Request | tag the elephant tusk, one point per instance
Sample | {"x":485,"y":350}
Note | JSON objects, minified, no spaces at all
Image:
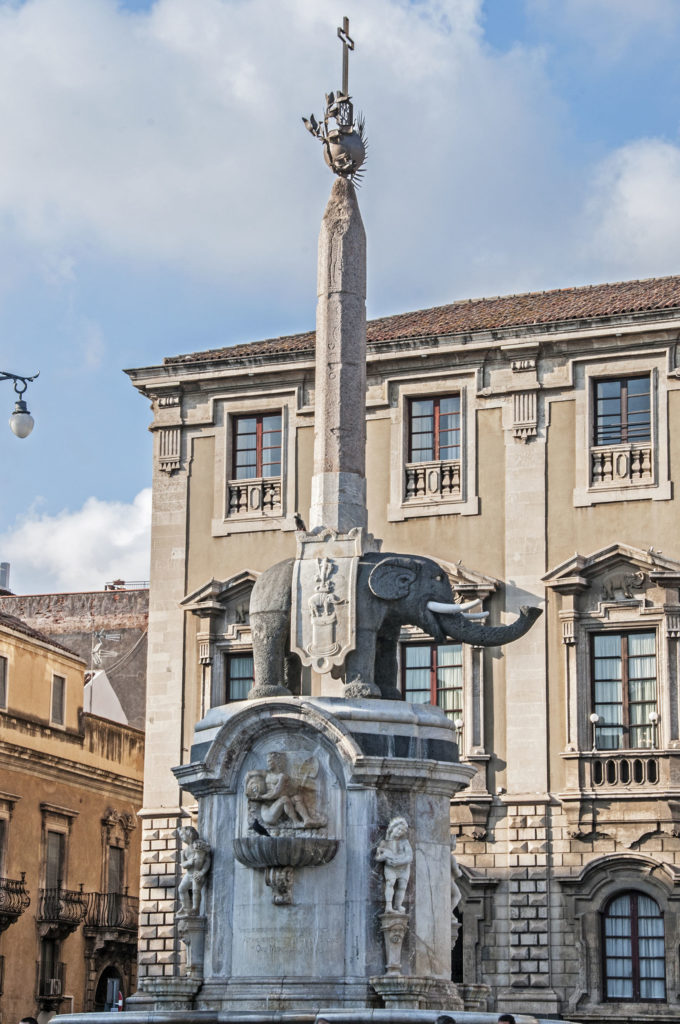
{"x":476,"y":616}
{"x":451,"y":609}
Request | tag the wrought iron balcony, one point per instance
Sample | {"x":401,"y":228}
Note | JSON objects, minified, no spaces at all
{"x":14,"y":899}
{"x":620,"y":465}
{"x":110,"y":911}
{"x":427,"y":480}
{"x":255,"y":497}
{"x":60,"y":911}
{"x":50,"y":983}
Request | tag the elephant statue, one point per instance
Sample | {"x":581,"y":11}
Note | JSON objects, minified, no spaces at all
{"x":393,"y":590}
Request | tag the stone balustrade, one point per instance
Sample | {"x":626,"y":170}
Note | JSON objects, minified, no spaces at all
{"x":619,"y":768}
{"x":259,"y":496}
{"x":433,"y":480}
{"x":621,"y":464}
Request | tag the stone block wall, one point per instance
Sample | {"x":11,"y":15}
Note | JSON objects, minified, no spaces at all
{"x":159,"y":948}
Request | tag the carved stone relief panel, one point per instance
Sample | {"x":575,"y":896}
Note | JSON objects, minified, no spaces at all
{"x":290,"y":809}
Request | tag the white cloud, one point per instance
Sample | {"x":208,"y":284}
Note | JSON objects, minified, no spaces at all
{"x":633,"y":215}
{"x":81,"y":549}
{"x":175,"y":135}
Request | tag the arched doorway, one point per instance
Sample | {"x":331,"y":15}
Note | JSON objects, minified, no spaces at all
{"x":110,"y":984}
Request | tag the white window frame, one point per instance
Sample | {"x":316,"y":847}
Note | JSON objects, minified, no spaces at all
{"x":615,"y":367}
{"x":471,"y":739}
{"x":225,"y":411}
{"x":427,"y":386}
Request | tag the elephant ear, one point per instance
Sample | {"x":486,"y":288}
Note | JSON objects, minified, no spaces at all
{"x":392,"y":578}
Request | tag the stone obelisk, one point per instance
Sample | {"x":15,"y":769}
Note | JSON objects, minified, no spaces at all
{"x":324,"y":629}
{"x":339,"y":481}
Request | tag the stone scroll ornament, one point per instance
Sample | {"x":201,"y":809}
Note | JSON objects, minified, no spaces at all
{"x":344,"y":143}
{"x":395,"y":853}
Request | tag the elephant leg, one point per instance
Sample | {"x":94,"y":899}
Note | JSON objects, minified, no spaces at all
{"x":386,"y":665}
{"x":293,"y":673}
{"x":359,"y":667}
{"x":270,"y":634}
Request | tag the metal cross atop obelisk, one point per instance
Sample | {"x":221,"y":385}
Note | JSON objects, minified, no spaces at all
{"x":347,"y":45}
{"x":324,"y":627}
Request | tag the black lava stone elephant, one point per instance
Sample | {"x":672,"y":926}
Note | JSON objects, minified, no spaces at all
{"x":393,"y":590}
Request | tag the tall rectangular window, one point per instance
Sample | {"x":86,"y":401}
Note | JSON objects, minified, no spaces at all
{"x":3,"y":845}
{"x":257,"y":446}
{"x":116,"y":869}
{"x":622,"y":410}
{"x":3,"y":682}
{"x":58,"y":694}
{"x":433,"y":674}
{"x":434,"y":429}
{"x":624,"y":689}
{"x":238,"y":678}
{"x":54,"y":859}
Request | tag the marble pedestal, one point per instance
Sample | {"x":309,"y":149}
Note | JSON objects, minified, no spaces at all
{"x":295,"y":910}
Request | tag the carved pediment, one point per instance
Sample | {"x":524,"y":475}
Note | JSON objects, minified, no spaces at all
{"x":617,"y":574}
{"x":467,"y":583}
{"x":227,"y":600}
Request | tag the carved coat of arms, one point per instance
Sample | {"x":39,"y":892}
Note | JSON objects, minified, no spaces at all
{"x":324,"y":599}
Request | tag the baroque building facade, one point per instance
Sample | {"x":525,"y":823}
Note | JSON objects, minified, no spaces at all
{"x":530,"y":439}
{"x":70,"y":786}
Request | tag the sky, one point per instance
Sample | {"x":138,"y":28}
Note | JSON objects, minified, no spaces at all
{"x":159,"y":195}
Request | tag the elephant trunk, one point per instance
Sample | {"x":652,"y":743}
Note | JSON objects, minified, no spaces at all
{"x":459,"y":627}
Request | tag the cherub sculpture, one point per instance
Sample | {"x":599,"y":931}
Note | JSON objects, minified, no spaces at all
{"x":396,"y":853}
{"x":195,"y":862}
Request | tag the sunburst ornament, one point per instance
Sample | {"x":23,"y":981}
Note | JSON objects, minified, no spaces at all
{"x":344,"y":143}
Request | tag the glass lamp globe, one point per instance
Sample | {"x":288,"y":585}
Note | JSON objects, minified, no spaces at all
{"x":21,"y":422}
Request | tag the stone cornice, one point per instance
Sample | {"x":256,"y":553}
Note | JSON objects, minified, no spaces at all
{"x":60,"y":769}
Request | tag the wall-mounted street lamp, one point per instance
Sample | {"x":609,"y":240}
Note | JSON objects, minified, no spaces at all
{"x":21,"y":421}
{"x":654,"y":719}
{"x":594,"y":719}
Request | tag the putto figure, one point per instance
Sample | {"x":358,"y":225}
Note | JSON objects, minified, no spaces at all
{"x":195,"y":863}
{"x":283,"y":796}
{"x":344,"y":144}
{"x":396,"y":854}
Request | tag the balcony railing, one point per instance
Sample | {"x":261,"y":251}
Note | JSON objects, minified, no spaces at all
{"x":439,"y":480}
{"x":254,"y":497}
{"x":624,"y":770}
{"x":62,"y":908}
{"x":621,"y":464}
{"x":14,"y":899}
{"x":111,"y":910}
{"x":50,"y":981}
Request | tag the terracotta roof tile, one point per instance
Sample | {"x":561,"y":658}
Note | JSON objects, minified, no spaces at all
{"x":19,"y":626}
{"x":465,"y":317}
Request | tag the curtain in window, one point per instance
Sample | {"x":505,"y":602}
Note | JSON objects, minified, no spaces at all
{"x":417,"y":669}
{"x":652,"y":949}
{"x":619,"y":949}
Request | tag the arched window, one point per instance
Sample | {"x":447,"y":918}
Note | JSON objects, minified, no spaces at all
{"x":634,"y":949}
